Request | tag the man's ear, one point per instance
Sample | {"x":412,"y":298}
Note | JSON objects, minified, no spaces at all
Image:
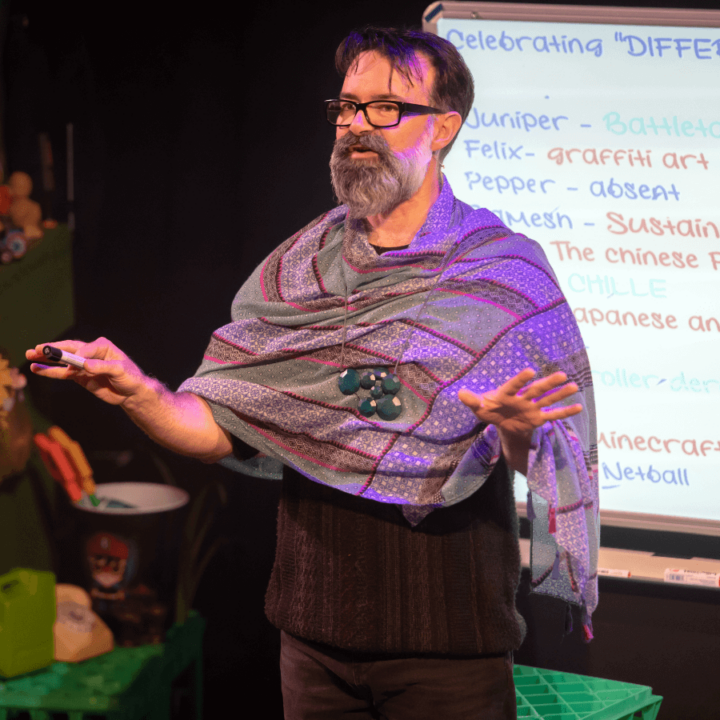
{"x":447,"y":126}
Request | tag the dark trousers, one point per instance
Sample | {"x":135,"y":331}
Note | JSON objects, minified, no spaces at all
{"x":316,"y":686}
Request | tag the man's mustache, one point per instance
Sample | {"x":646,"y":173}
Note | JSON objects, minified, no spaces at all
{"x":376,"y":143}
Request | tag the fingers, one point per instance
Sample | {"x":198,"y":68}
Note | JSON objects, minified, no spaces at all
{"x":72,"y":346}
{"x":543,"y":385}
{"x":113,"y":368}
{"x":102,"y":358}
{"x":555,"y":396}
{"x":563,"y":412}
{"x":101,"y":348}
{"x":473,"y":401}
{"x":514,"y":385}
{"x":543,"y":388}
{"x":518,"y":385}
{"x":531,"y":405}
{"x":50,"y":371}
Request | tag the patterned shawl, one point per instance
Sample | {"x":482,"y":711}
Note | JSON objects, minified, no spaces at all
{"x":467,"y":305}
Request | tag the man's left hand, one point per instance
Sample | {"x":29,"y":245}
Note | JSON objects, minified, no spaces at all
{"x":517,"y":408}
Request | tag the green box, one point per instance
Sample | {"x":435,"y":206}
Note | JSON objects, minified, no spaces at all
{"x":27,"y":616}
{"x":36,"y":295}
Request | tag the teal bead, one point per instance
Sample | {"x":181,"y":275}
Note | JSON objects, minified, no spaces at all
{"x":391,"y":384}
{"x":349,"y":381}
{"x":377,"y":392}
{"x":380,"y":372}
{"x":389,"y":408}
{"x":367,"y":380}
{"x":367,"y":407}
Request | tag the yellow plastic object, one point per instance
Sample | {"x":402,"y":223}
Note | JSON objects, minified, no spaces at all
{"x":77,"y":457}
{"x":79,"y":633}
{"x":27,"y":615}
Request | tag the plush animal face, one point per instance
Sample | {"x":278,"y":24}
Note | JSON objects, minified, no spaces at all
{"x":20,"y":185}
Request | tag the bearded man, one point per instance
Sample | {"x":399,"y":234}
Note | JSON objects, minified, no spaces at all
{"x":385,"y":355}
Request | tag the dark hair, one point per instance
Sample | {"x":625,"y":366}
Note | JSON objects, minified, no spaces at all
{"x":453,"y":88}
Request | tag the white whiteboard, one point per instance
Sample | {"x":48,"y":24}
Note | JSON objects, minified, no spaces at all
{"x":602,"y":142}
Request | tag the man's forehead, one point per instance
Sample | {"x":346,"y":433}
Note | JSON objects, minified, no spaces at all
{"x":374,"y":72}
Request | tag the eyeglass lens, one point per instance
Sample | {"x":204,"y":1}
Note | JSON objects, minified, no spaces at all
{"x":380,"y":113}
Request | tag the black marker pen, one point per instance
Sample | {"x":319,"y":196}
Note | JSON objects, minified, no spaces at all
{"x":57,"y":355}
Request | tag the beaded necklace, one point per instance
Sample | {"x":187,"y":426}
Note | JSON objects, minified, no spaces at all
{"x":384,"y":386}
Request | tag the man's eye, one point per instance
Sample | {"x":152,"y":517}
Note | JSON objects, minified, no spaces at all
{"x":385,"y":107}
{"x":346,"y":107}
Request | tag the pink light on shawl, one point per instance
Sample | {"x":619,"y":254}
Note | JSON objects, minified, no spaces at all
{"x":302,"y":455}
{"x":482,"y":300}
{"x":218,"y":361}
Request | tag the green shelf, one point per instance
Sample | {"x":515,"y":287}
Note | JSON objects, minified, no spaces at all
{"x":37,"y":295}
{"x":553,"y":695}
{"x":125,"y":684}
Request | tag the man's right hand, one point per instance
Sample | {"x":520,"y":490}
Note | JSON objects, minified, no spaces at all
{"x":109,"y":374}
{"x":181,"y":422}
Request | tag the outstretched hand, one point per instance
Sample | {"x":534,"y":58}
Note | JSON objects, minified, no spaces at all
{"x":518,"y":408}
{"x":179,"y":421}
{"x":108,"y":373}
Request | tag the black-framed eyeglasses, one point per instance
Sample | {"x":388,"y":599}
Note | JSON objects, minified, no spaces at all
{"x":378,"y":113}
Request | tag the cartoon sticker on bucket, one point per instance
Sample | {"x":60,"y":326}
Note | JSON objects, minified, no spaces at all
{"x":112,"y":563}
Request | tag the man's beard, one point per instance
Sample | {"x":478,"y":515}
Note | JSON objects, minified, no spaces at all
{"x":378,"y":186}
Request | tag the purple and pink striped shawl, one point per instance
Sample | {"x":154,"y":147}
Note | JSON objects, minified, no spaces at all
{"x":271,"y":375}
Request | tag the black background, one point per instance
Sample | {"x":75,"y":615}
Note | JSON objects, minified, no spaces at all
{"x":200,"y":144}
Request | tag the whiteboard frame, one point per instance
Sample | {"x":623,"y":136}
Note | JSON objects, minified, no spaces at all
{"x":567,"y":13}
{"x":607,"y":16}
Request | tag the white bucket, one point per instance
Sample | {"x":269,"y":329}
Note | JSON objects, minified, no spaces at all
{"x":131,"y":556}
{"x":145,"y":497}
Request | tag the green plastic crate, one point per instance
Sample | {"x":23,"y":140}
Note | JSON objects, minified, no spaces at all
{"x":553,"y":695}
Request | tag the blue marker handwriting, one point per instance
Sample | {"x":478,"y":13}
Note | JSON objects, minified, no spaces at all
{"x":498,"y":151}
{"x":551,"y":220}
{"x":613,"y":189}
{"x":524,"y":43}
{"x":520,"y":121}
{"x":661,"y":47}
{"x":620,"y":379}
{"x":610,"y":286}
{"x":501,"y":183}
{"x":616,"y":472}
{"x":676,"y":127}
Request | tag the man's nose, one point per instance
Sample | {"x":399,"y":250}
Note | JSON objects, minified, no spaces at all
{"x":360,"y":124}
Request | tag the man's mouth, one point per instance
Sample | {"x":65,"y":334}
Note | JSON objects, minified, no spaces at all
{"x":360,"y":151}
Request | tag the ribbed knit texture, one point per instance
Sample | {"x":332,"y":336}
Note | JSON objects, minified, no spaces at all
{"x":352,"y":573}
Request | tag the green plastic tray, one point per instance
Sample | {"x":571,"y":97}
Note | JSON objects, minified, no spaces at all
{"x":553,"y":695}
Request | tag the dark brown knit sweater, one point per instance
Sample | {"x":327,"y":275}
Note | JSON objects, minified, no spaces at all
{"x":352,"y":574}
